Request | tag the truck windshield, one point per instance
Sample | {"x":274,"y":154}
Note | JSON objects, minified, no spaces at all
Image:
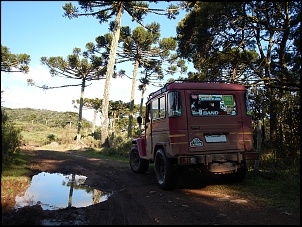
{"x":211,"y":105}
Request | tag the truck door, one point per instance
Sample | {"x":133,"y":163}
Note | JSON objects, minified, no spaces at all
{"x":214,"y":121}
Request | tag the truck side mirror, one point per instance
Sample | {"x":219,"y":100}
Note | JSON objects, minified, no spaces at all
{"x":139,"y":119}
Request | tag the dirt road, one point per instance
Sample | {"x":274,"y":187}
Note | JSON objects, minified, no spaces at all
{"x":137,"y":200}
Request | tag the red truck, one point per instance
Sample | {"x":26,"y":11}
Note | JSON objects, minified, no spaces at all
{"x":200,"y":126}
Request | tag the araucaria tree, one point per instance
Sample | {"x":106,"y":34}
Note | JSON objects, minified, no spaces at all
{"x":136,"y":48}
{"x":255,"y":43}
{"x":94,"y":104}
{"x":79,"y":66}
{"x":103,"y":11}
{"x":144,"y":49}
{"x":14,"y":62}
{"x":142,"y":46}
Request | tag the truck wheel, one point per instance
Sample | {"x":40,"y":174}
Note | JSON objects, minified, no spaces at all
{"x":137,"y":164}
{"x":238,"y":176}
{"x":165,"y":174}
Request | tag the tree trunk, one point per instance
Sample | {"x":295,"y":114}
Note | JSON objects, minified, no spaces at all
{"x":142,"y":102}
{"x":273,"y":119}
{"x":80,"y":111}
{"x":109,"y":73}
{"x":141,"y":108}
{"x":132,"y":99}
{"x":259,"y":141}
{"x":94,"y":120}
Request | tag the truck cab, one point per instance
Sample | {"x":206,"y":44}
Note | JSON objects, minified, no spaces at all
{"x":200,"y":126}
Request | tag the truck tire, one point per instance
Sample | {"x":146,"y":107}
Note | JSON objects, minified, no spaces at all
{"x":237,"y":176}
{"x":137,"y":164}
{"x":164,"y":171}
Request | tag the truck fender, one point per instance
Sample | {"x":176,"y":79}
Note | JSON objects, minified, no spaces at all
{"x":141,"y":146}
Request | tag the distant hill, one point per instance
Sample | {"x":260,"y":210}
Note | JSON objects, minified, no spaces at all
{"x":45,"y":117}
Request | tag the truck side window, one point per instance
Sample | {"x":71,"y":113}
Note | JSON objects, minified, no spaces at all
{"x":174,"y":105}
{"x":162,"y":107}
{"x":148,"y":113}
{"x":154,"y":109}
{"x":159,"y":108}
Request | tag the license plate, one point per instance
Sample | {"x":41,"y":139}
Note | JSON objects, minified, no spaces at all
{"x":215,"y":138}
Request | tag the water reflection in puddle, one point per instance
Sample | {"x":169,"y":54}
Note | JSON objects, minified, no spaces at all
{"x":54,"y":191}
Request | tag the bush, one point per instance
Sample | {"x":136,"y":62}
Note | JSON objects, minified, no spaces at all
{"x":51,"y":138}
{"x":119,"y":146}
{"x":91,"y":142}
{"x":11,"y":138}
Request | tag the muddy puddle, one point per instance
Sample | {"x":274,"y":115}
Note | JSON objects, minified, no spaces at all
{"x":55,"y":191}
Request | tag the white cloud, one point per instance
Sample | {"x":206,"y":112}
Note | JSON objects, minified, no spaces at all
{"x":17,"y":94}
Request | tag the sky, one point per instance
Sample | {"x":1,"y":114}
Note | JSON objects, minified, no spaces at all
{"x":38,"y":28}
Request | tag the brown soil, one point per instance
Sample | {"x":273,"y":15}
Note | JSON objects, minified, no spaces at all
{"x":137,"y":200}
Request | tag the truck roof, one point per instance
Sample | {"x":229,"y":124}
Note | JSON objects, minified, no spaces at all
{"x":189,"y":84}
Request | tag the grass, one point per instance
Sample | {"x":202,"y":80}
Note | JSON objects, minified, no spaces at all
{"x":279,"y":191}
{"x":15,"y":173}
{"x":17,"y":168}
